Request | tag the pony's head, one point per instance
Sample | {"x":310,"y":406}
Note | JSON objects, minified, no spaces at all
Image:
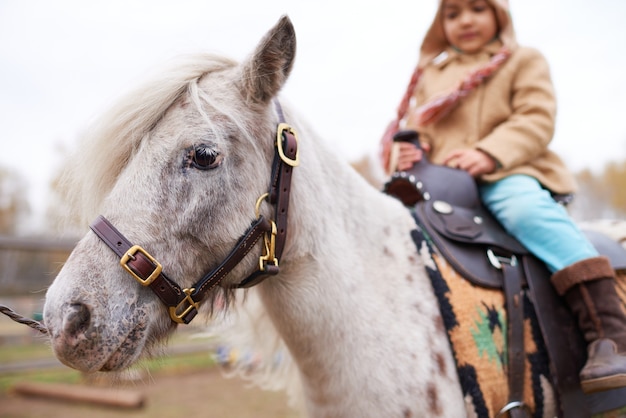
{"x":177,"y":167}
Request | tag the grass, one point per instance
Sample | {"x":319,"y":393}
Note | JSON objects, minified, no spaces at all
{"x":60,"y":375}
{"x":37,"y":349}
{"x":178,"y":363}
{"x":23,"y":352}
{"x":163,"y":365}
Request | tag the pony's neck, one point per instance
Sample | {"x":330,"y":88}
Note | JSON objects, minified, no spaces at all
{"x":354,"y":313}
{"x":353,"y":302}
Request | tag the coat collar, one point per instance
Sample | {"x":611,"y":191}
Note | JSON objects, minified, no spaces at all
{"x":451,"y":54}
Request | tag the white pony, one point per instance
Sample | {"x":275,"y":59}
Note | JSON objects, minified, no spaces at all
{"x":177,"y":168}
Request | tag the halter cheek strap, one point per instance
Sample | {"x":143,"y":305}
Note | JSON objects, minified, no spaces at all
{"x":183,"y":304}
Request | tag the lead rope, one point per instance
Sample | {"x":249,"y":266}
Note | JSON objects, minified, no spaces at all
{"x":23,"y":320}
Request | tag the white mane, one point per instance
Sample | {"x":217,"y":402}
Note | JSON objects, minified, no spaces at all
{"x":113,"y":139}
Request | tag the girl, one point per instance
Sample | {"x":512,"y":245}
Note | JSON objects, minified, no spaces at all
{"x":485,"y":105}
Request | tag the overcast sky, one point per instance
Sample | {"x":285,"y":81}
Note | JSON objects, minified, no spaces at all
{"x":62,"y":62}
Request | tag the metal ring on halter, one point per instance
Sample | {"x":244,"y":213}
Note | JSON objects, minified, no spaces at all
{"x":510,"y":406}
{"x":257,"y":206}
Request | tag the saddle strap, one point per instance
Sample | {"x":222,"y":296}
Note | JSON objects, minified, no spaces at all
{"x":513,"y":272}
{"x":562,"y":338}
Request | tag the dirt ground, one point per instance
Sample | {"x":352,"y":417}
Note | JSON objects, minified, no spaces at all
{"x":168,"y":393}
{"x":198,"y":394}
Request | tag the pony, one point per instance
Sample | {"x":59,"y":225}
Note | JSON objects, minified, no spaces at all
{"x":208,"y":169}
{"x":181,"y":167}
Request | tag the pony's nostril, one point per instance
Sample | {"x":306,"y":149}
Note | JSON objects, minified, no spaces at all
{"x":77,"y":319}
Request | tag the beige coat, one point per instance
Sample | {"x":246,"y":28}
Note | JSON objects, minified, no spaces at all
{"x":510,"y":116}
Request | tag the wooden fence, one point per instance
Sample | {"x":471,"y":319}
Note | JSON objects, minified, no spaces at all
{"x":29,"y":264}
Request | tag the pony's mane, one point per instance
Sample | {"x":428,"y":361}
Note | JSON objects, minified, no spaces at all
{"x":109,"y":144}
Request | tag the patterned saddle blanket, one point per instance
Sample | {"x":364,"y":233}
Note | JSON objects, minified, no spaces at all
{"x":476,"y":320}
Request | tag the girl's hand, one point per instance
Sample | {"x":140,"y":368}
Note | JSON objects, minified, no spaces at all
{"x":475,"y":162}
{"x":408,"y":154}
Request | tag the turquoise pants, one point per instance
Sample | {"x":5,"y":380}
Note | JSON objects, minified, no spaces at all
{"x":527,"y":211}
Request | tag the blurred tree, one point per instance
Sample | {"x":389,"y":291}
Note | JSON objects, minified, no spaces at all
{"x":14,"y":207}
{"x":614,"y":179}
{"x":601,"y":195}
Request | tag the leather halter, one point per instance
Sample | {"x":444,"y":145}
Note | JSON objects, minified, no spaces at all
{"x":182,"y":303}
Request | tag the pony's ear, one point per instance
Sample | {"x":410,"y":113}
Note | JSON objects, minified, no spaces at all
{"x":264,"y":73}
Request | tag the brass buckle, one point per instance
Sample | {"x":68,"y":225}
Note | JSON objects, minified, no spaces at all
{"x":192,"y":305}
{"x":130,"y":255}
{"x":279,"y":145}
{"x":270,"y":249}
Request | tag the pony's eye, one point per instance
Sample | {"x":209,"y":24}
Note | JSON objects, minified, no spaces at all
{"x":205,"y":158}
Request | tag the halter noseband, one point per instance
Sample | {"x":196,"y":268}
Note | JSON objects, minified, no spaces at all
{"x":182,"y":303}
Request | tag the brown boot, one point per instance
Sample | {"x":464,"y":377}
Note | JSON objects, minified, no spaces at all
{"x":589,"y":289}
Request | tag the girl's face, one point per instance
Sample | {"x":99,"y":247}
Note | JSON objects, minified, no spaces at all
{"x":469,"y":24}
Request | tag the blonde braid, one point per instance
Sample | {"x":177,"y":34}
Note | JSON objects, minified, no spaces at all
{"x":402,"y":110}
{"x":442,"y":105}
